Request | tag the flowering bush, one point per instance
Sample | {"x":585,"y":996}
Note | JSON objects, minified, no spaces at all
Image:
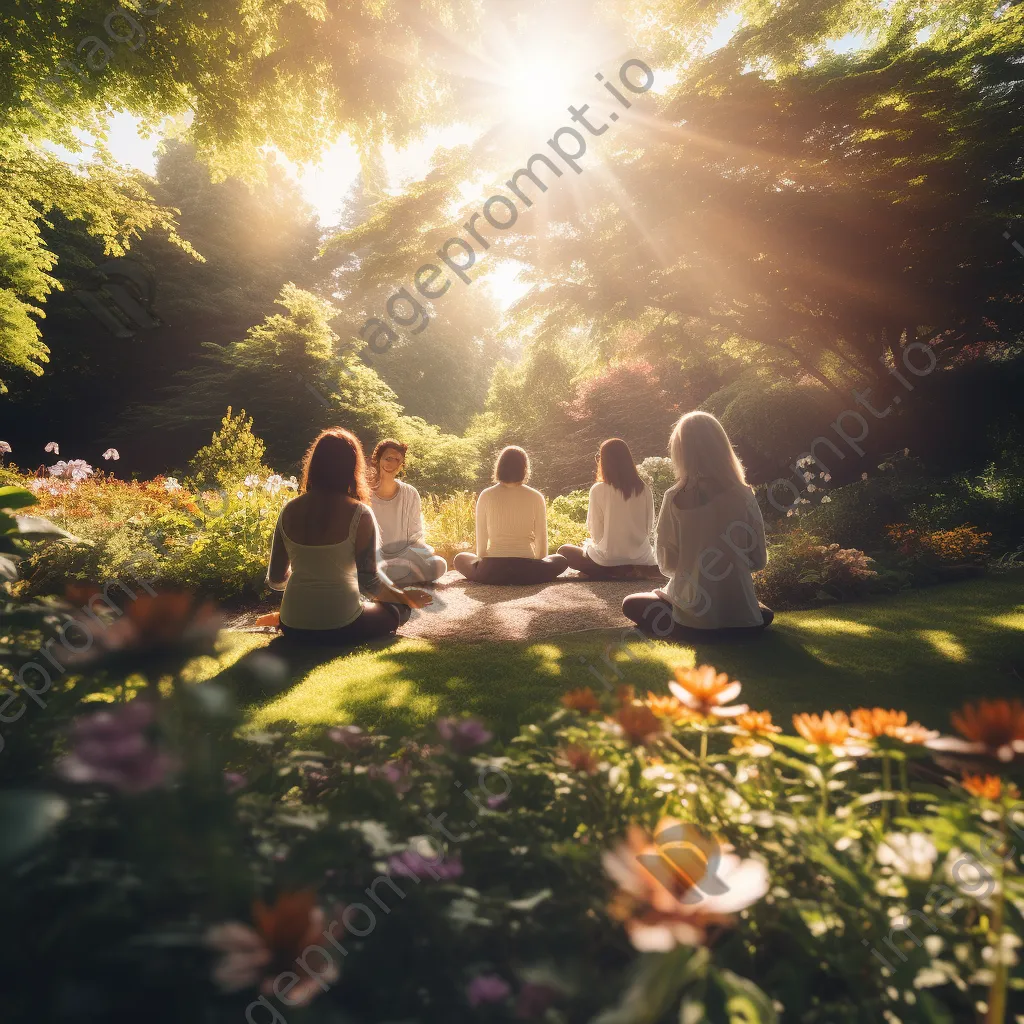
{"x":660,"y":858}
{"x":801,"y":571}
{"x":942,"y":547}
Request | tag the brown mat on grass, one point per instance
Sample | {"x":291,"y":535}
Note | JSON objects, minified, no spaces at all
{"x":481,"y":613}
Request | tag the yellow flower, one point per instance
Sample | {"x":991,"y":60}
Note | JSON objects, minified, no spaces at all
{"x":707,"y":692}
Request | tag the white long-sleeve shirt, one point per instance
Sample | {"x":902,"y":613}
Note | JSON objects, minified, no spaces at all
{"x":620,"y":527}
{"x":708,"y":552}
{"x":511,"y":522}
{"x":400,"y":519}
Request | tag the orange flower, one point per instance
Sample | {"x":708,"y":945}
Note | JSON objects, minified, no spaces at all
{"x":993,"y":727}
{"x":915,"y":733}
{"x":638,"y":723}
{"x":671,"y":708}
{"x":832,"y":729}
{"x":876,"y":722}
{"x":260,"y":954}
{"x":579,"y":758}
{"x":625,"y":694}
{"x":759,"y":723}
{"x":583,"y":699}
{"x":707,"y":692}
{"x":676,"y":885}
{"x":988,"y":787}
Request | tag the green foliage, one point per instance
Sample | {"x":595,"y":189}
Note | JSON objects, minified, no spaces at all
{"x":564,"y":528}
{"x":451,"y":522}
{"x":234,"y":452}
{"x":573,"y":505}
{"x":660,"y":474}
{"x":436,"y":462}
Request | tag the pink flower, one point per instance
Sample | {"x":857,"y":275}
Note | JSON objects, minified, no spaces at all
{"x":395,"y":772}
{"x":349,"y":736}
{"x":112,"y":748}
{"x":234,"y":781}
{"x":534,"y":999}
{"x":112,"y":453}
{"x":463,"y":735}
{"x":487,"y":988}
{"x":244,"y":954}
{"x":5,"y":448}
{"x":53,"y":447}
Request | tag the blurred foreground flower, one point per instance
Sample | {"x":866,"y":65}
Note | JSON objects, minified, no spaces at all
{"x":396,"y":772}
{"x":463,"y":735}
{"x":258,"y":955}
{"x":987,"y":787}
{"x":672,"y":708}
{"x":578,"y":757}
{"x":910,"y":854}
{"x":876,"y":722}
{"x":832,"y":729}
{"x":113,"y":748}
{"x":351,"y":737}
{"x":992,"y":727}
{"x":638,"y":723}
{"x":582,"y":699}
{"x":707,"y":692}
{"x":674,"y":893}
{"x":487,"y":988}
{"x":412,"y":864}
{"x":170,"y":627}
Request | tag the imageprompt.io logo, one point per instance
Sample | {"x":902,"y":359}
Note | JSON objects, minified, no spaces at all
{"x":685,"y":855}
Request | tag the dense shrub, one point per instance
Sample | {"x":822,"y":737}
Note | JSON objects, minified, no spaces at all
{"x":573,"y":505}
{"x":802,"y":571}
{"x":234,"y":452}
{"x":660,"y":474}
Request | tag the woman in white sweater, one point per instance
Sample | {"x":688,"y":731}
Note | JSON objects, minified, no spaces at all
{"x":511,"y":529}
{"x":710,"y":539}
{"x":620,"y":519}
{"x":405,"y":555}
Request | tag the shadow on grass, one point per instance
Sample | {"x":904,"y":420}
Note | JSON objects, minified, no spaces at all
{"x":925,"y":652}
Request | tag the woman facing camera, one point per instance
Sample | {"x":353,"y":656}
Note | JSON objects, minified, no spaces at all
{"x":407,"y":558}
{"x":511,"y":529}
{"x":324,"y":553}
{"x":710,"y":538}
{"x":620,"y":518}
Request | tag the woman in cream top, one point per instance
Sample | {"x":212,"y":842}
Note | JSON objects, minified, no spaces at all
{"x":511,"y":529}
{"x":710,"y":538}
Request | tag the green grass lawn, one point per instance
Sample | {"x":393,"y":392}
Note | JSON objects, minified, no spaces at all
{"x":925,"y":651}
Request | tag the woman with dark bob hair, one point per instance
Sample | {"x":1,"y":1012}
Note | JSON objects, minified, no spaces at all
{"x":620,"y":520}
{"x":324,"y":553}
{"x":511,"y":529}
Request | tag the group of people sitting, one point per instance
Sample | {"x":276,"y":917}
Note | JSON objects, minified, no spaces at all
{"x":358,"y":531}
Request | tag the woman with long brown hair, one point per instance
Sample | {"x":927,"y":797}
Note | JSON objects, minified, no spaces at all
{"x":620,"y":518}
{"x":405,"y":554}
{"x":324,"y":553}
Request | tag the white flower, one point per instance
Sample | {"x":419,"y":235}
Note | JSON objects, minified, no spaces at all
{"x":58,"y":468}
{"x":825,"y":499}
{"x":52,"y":446}
{"x":906,"y":451}
{"x":808,"y":477}
{"x":291,"y":484}
{"x":171,"y":485}
{"x":112,"y":453}
{"x":239,"y":494}
{"x":251,"y":481}
{"x":969,"y":875}
{"x":790,"y":512}
{"x":5,"y":448}
{"x":910,"y":854}
{"x":826,"y":477}
{"x":274,"y":483}
{"x":79,"y":469}
{"x":811,"y":488}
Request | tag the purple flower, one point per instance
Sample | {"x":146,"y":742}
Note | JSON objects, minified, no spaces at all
{"x":349,"y":736}
{"x":113,"y":749}
{"x":497,"y":800}
{"x":234,"y":781}
{"x":415,"y":865}
{"x":534,"y":999}
{"x":395,"y":772}
{"x":463,"y":734}
{"x":487,"y":988}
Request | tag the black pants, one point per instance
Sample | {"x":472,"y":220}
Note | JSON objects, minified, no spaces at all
{"x":579,"y":560}
{"x":377,"y":620}
{"x":653,"y":614}
{"x":509,"y":570}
